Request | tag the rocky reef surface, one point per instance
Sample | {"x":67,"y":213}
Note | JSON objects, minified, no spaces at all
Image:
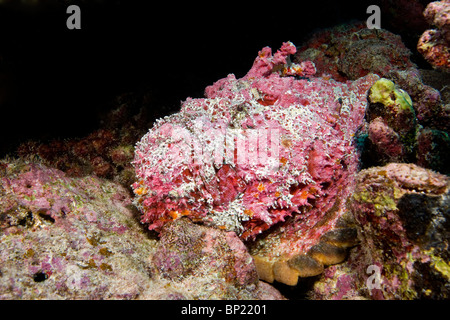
{"x":434,"y":44}
{"x":325,"y":164}
{"x":78,"y":238}
{"x":402,"y":213}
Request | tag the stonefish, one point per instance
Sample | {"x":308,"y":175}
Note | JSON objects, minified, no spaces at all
{"x":270,"y":156}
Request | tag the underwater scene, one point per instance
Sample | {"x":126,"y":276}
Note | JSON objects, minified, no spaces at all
{"x":224,"y":151}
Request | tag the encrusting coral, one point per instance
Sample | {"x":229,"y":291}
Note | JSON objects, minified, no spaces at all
{"x":78,"y":238}
{"x":353,"y":51}
{"x":434,"y":44}
{"x":402,"y":213}
{"x":68,"y":238}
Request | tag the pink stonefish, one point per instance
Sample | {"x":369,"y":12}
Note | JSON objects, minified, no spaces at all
{"x":270,"y":156}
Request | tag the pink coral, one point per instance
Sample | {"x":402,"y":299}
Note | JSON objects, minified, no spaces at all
{"x":438,"y":14}
{"x":434,"y":44}
{"x":77,"y":238}
{"x":255,"y":151}
{"x":385,"y":139}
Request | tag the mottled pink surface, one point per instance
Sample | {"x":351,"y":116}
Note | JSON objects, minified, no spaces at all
{"x":438,"y":14}
{"x":78,"y":238}
{"x":385,"y":139}
{"x":434,"y":44}
{"x":299,"y":139}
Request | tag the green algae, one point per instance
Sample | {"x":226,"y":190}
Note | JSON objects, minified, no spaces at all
{"x":385,"y":92}
{"x":382,"y":202}
{"x":397,"y":111}
{"x":440,"y":265}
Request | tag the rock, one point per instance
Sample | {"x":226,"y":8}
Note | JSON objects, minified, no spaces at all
{"x":403,"y":215}
{"x":79,"y":238}
{"x":432,"y":150}
{"x":68,"y":238}
{"x":348,"y":52}
{"x":404,"y":128}
{"x":430,"y":109}
{"x":207,"y":263}
{"x":392,"y":122}
{"x":434,"y":43}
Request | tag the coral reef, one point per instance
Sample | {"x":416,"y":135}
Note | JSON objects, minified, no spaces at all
{"x":404,"y":128}
{"x":78,"y":238}
{"x":206,"y":263}
{"x":350,"y":51}
{"x":434,"y":44}
{"x":68,"y":238}
{"x":259,"y":182}
{"x":392,"y":121}
{"x":430,"y":109}
{"x":183,"y":168}
{"x":353,"y":51}
{"x":402,"y":213}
